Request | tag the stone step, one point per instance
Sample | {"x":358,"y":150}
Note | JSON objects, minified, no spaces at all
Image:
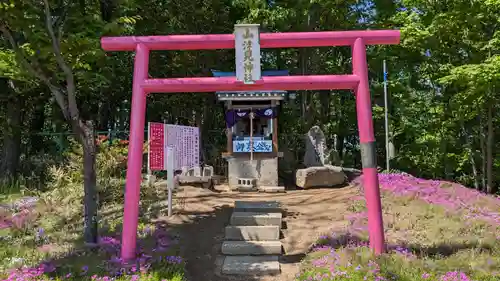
{"x":271,"y":189}
{"x":237,"y":248}
{"x":257,"y":206}
{"x":253,"y":233}
{"x":251,"y":265}
{"x":251,"y":218}
{"x":246,"y":188}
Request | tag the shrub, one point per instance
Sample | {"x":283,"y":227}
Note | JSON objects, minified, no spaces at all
{"x":67,"y":181}
{"x":33,"y":171}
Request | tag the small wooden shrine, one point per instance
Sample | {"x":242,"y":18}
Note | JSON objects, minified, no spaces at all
{"x":252,"y":134}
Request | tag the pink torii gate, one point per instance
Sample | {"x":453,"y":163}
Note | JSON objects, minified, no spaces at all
{"x":357,"y":81}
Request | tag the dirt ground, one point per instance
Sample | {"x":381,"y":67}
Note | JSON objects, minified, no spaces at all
{"x":200,"y":216}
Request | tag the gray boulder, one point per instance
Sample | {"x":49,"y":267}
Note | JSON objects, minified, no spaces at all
{"x":324,"y":176}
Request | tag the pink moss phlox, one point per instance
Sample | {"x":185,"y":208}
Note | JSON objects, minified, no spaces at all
{"x":454,"y":276}
{"x":29,"y":274}
{"x":17,"y":214}
{"x":451,"y":196}
{"x":114,"y":265}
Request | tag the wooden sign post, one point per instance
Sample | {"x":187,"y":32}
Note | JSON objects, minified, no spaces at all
{"x":247,"y":46}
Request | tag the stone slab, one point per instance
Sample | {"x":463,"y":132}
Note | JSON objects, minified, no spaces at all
{"x":251,"y":248}
{"x":271,"y":189}
{"x":257,"y":206}
{"x":251,"y":218}
{"x":324,"y":176}
{"x":251,"y":265}
{"x":243,"y":188}
{"x":193,"y":179}
{"x":253,"y":233}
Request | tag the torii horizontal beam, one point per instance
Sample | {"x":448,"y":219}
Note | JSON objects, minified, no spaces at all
{"x":268,"y":83}
{"x":267,"y":40}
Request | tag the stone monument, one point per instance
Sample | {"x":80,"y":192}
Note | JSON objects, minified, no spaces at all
{"x":334,"y":156}
{"x":315,"y":148}
{"x":318,"y":171}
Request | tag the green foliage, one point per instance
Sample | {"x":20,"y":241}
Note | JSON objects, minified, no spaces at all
{"x":66,"y":182}
{"x":8,"y":65}
{"x":443,"y":73}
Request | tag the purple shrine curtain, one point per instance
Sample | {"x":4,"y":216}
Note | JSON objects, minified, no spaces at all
{"x":233,"y":115}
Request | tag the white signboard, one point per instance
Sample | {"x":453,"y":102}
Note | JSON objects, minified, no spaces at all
{"x":185,"y":141}
{"x":247,"y":47}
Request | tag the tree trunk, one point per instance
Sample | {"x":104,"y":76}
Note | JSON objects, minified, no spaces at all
{"x":341,"y":128}
{"x":36,"y":128}
{"x":303,"y":94}
{"x":444,"y":148}
{"x":324,"y":97}
{"x":107,"y":7}
{"x":483,"y":153}
{"x":12,"y":137}
{"x":472,"y":155}
{"x":490,"y":189}
{"x":474,"y":169}
{"x":87,"y":139}
{"x":104,"y":116}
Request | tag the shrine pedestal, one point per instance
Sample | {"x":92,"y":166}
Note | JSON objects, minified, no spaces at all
{"x":263,"y":168}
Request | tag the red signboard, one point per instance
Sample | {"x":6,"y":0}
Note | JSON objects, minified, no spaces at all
{"x":156,"y":146}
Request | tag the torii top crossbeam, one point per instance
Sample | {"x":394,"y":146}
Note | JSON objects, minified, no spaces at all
{"x":357,"y":81}
{"x":267,"y":40}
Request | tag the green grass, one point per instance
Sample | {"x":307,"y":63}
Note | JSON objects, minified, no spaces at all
{"x":10,"y":191}
{"x":425,"y":241}
{"x":62,"y":245}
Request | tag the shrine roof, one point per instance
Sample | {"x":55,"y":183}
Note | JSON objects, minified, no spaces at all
{"x":253,"y":95}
